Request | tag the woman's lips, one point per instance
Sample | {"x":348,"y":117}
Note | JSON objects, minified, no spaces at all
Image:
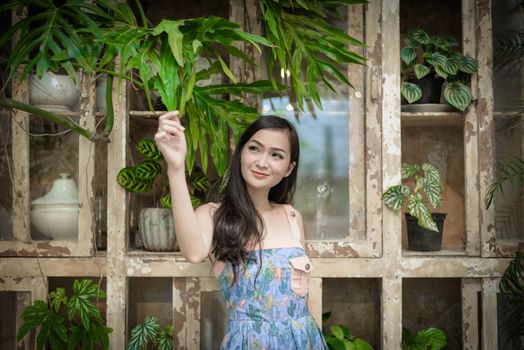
{"x":259,"y":175}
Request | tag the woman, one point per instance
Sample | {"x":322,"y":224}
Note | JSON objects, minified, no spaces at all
{"x":253,"y":236}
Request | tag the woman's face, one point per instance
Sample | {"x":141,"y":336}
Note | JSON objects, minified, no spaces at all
{"x":266,"y":159}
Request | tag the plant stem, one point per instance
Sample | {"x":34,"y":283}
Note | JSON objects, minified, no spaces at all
{"x":66,"y":123}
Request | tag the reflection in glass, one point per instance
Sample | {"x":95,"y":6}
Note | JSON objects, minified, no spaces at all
{"x":508,"y":91}
{"x":322,"y":194}
{"x":53,"y":151}
{"x":214,"y":320}
{"x":6,"y":179}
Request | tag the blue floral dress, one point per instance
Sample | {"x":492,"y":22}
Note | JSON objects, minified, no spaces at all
{"x":269,"y":310}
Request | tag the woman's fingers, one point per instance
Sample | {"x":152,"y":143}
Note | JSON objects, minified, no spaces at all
{"x":171,"y":120}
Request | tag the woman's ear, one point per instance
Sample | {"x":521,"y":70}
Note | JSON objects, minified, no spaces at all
{"x":290,"y":168}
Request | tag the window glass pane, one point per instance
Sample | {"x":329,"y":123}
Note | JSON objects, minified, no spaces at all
{"x":508,"y":91}
{"x":322,"y":194}
{"x":6,"y":168}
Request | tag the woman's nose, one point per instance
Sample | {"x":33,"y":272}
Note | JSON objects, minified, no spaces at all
{"x":262,"y":161}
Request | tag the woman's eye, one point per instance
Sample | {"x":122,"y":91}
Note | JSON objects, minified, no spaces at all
{"x":278,"y":155}
{"x":252,"y":148}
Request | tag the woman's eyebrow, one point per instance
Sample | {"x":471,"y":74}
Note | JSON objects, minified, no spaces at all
{"x":272,"y":148}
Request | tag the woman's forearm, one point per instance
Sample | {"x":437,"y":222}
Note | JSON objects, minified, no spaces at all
{"x":193,"y":242}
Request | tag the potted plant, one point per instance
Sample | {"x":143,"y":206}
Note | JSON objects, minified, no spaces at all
{"x":51,"y":48}
{"x":150,"y":333}
{"x":342,"y":339}
{"x":83,"y":327}
{"x":156,"y":227}
{"x":424,"y":228}
{"x":426,"y":339}
{"x":433,"y":58}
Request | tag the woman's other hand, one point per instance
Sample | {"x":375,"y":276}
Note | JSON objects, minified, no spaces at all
{"x":171,"y":140}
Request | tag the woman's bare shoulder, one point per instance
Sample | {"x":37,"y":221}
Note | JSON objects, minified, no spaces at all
{"x":207,"y":209}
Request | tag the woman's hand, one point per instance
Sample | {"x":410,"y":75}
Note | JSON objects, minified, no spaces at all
{"x":171,"y":140}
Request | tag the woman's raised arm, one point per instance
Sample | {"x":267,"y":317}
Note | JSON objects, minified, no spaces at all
{"x":194,"y":229}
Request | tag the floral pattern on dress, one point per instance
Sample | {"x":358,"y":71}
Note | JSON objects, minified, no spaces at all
{"x":264,"y":312}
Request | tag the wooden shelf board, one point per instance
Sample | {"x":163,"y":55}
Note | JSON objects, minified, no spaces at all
{"x":454,"y":119}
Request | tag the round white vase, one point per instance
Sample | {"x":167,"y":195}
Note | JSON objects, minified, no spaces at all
{"x":54,"y":92}
{"x":55,"y":215}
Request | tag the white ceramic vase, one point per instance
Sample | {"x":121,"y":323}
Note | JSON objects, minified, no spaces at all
{"x":157,"y":230}
{"x":55,"y":215}
{"x":54,"y":92}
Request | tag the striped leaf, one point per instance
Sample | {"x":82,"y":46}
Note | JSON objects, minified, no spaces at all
{"x":408,"y":170}
{"x":418,"y":209}
{"x":166,"y":201}
{"x":395,"y":195}
{"x":147,"y":170}
{"x":421,"y":70}
{"x":468,"y":65}
{"x":408,"y":54}
{"x":458,"y":95}
{"x":147,"y":147}
{"x":411,"y":92}
{"x":127,"y":179}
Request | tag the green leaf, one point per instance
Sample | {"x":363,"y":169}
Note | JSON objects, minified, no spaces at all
{"x":408,"y":170}
{"x":226,"y":70}
{"x":147,"y":147}
{"x":395,"y":195}
{"x":468,"y":65}
{"x":418,"y":209}
{"x":58,"y":297}
{"x":147,"y":170}
{"x":174,"y":37}
{"x":361,"y":344}
{"x":79,"y":303}
{"x":408,"y":54}
{"x":437,"y":338}
{"x":458,"y":95}
{"x":52,"y":329}
{"x":421,"y":70}
{"x":335,"y":343}
{"x":410,"y":91}
{"x":144,"y":333}
{"x":340,"y":332}
{"x":420,"y":36}
{"x":166,"y":201}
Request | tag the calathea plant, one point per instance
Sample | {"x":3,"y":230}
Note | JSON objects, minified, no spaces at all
{"x":82,"y":328}
{"x":141,"y":177}
{"x":428,"y":184}
{"x":426,"y":55}
{"x":426,"y":339}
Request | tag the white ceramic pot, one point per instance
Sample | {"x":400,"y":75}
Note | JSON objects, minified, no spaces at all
{"x":157,"y":230}
{"x":54,"y":92}
{"x":55,"y":215}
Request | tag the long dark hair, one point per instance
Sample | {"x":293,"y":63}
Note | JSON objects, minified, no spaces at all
{"x":236,"y":221}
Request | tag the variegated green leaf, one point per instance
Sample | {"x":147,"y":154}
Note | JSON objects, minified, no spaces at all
{"x":410,"y":91}
{"x":420,"y":36}
{"x":408,"y":170}
{"x":144,"y":333}
{"x":468,"y":65}
{"x":395,"y":195}
{"x":421,"y":70}
{"x":431,"y":173}
{"x":418,"y":209}
{"x":458,"y":95}
{"x":408,"y":55}
{"x":147,"y":147}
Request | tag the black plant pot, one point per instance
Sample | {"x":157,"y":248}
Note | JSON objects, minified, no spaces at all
{"x":422,"y":239}
{"x":431,"y":89}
